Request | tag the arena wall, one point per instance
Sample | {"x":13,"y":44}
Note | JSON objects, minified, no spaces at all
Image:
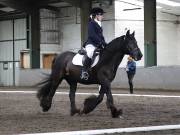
{"x":166,"y":78}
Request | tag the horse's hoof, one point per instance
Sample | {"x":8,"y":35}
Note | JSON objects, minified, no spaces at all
{"x":45,"y":103}
{"x":73,"y":112}
{"x":117,"y":113}
{"x":45,"y":109}
{"x":120,"y":112}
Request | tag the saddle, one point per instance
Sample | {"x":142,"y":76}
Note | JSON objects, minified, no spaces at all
{"x":81,"y":55}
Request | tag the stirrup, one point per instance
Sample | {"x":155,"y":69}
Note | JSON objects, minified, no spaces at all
{"x":84,"y":75}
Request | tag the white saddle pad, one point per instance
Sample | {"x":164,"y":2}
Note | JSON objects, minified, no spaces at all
{"x":77,"y":60}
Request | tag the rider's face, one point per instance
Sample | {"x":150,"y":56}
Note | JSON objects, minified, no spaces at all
{"x":99,"y":17}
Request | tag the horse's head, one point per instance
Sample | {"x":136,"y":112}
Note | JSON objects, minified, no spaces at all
{"x":132,"y":48}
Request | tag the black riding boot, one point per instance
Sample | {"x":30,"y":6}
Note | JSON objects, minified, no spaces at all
{"x":86,"y":67}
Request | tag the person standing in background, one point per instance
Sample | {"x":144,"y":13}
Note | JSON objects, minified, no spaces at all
{"x":131,"y":71}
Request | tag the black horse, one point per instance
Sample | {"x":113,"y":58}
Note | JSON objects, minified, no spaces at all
{"x":103,"y":74}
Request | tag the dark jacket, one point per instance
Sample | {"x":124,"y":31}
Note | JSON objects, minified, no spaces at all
{"x":95,"y":35}
{"x":131,"y":67}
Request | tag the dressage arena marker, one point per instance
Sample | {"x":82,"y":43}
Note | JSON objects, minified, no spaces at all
{"x":111,"y":131}
{"x":81,"y":93}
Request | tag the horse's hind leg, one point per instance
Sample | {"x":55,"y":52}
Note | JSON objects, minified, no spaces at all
{"x":72,"y":93}
{"x":91,"y":103}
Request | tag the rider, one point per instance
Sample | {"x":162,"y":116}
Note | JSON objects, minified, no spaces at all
{"x":95,"y":39}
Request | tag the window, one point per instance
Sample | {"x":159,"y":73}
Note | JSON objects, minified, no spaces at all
{"x":47,"y":60}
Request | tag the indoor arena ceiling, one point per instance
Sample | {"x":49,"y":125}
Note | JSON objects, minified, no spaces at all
{"x":166,"y":6}
{"x":172,"y":8}
{"x":27,"y":5}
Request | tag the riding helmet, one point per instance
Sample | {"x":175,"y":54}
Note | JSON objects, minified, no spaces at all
{"x":97,"y":11}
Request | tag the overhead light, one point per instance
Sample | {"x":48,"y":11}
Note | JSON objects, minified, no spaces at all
{"x":134,"y":2}
{"x":130,"y":9}
{"x":137,"y":3}
{"x":7,"y":9}
{"x":169,"y":3}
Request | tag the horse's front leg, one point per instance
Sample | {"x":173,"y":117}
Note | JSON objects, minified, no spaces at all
{"x":91,"y":102}
{"x":115,"y":113}
{"x":72,"y":93}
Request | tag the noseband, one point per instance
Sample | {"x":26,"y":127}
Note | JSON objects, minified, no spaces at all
{"x":134,"y":50}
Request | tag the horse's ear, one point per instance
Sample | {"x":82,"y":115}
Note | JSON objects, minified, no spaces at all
{"x":133,"y":33}
{"x":127,"y":33}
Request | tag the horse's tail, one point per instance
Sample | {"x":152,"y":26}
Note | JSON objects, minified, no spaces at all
{"x":45,"y":87}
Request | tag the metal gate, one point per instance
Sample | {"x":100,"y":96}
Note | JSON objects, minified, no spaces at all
{"x":13,"y":39}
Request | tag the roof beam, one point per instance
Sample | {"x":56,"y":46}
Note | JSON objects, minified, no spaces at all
{"x":19,"y":5}
{"x":76,"y":3}
{"x":51,"y":8}
{"x":27,"y":5}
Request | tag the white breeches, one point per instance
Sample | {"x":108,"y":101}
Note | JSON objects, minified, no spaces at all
{"x":90,"y":50}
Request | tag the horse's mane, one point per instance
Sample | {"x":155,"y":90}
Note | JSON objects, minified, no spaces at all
{"x":111,"y":48}
{"x":115,"y":43}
